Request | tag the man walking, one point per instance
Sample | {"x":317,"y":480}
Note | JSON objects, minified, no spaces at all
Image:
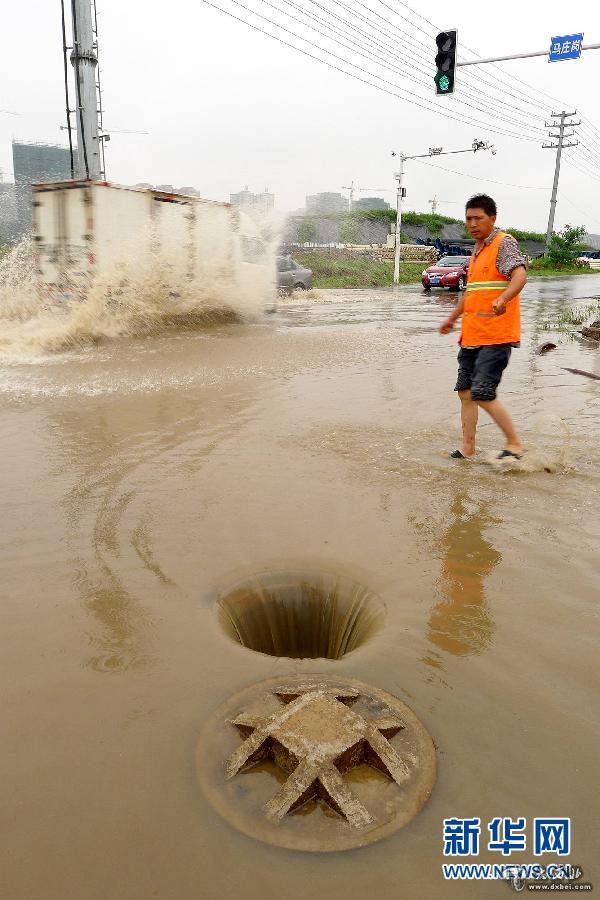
{"x":490,"y":327}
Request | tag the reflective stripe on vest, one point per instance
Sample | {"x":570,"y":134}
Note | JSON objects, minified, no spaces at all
{"x":486,"y":285}
{"x":480,"y":325}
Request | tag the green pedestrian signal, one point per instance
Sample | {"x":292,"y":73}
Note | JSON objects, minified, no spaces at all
{"x":445,"y":62}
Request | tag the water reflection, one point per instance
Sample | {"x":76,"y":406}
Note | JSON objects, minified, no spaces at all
{"x":461,"y":623}
{"x":115,"y":453}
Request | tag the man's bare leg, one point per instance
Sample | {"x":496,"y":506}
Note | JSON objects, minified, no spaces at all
{"x":468,"y":416}
{"x":502,"y":419}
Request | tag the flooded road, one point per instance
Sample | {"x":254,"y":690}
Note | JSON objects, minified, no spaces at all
{"x":143,"y":476}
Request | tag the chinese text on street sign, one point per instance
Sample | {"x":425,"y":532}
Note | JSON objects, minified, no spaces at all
{"x":566,"y":47}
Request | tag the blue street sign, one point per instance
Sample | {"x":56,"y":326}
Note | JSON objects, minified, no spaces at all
{"x":566,"y":47}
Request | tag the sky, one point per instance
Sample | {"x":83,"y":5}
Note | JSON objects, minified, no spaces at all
{"x":226,"y":106}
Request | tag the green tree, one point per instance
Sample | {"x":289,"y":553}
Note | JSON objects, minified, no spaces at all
{"x":307,"y":231}
{"x":565,"y":246}
{"x":349,"y":231}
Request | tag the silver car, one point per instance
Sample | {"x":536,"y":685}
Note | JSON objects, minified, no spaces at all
{"x":292,"y":276}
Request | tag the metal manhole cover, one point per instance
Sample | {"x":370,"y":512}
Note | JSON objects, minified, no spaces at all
{"x":314,"y":763}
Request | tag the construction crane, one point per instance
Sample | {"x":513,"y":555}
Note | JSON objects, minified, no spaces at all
{"x":436,"y":200}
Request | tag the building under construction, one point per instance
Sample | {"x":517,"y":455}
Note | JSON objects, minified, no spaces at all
{"x":36,"y":162}
{"x":32,"y":163}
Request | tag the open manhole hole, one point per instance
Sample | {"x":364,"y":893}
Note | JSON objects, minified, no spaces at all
{"x":316,"y":763}
{"x":300,"y":615}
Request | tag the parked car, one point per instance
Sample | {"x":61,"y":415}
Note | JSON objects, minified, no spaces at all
{"x":449,"y":272}
{"x":292,"y":276}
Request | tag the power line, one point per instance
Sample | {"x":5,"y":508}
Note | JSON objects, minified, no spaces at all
{"x":577,"y":165}
{"x":494,"y":66}
{"x":578,"y":208}
{"x":487,"y":180}
{"x":378,"y":59}
{"x":420,"y":46}
{"x":504,"y":72}
{"x":595,"y":132}
{"x":462,"y":119}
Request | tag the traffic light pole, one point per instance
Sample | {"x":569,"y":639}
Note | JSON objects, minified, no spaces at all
{"x":399,"y":176}
{"x":447,"y":63}
{"x":494,"y":59}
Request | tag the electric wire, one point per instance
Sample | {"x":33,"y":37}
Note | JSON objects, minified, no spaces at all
{"x":579,"y":209}
{"x":80,"y":130}
{"x":495,"y":66}
{"x":530,"y":187}
{"x":377,"y":59}
{"x":490,"y":83}
{"x":101,"y":140}
{"x":67,"y":101}
{"x":462,"y":119}
{"x":576,"y":164}
{"x":419,"y":46}
{"x":515,"y":78}
{"x":592,"y":130}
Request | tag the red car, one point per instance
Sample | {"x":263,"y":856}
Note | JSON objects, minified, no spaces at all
{"x":449,"y":272}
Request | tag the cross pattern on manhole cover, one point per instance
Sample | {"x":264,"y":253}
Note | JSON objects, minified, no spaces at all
{"x":317,"y":763}
{"x":315,"y":738}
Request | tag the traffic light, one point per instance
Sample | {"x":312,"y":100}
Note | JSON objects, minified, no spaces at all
{"x":445,"y":62}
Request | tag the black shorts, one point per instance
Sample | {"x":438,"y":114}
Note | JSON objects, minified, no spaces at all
{"x":480,"y":369}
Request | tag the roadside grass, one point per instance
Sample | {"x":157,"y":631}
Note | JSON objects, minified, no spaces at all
{"x":542,"y":267}
{"x":362,"y":272}
{"x":572,"y":316}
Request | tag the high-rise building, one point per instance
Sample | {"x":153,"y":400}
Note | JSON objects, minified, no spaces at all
{"x":370,"y":203}
{"x":33,"y":163}
{"x":327,"y":202}
{"x":260,"y":204}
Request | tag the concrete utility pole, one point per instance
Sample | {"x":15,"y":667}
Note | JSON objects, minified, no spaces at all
{"x":399,"y":176}
{"x":559,"y":140}
{"x":401,"y":193}
{"x":84,"y":62}
{"x":350,"y":188}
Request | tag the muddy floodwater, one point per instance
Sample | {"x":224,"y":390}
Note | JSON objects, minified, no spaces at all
{"x":144,"y":476}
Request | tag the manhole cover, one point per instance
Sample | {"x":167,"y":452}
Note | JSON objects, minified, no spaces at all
{"x":314,"y":763}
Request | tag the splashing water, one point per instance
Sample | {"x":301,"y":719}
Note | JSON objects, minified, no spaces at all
{"x":141,"y":293}
{"x":552,"y":457}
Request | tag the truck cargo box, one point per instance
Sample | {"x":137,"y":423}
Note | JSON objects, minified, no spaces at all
{"x":97,"y":235}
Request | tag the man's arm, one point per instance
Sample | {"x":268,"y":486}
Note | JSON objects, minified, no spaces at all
{"x":448,"y":324}
{"x":518,"y":280}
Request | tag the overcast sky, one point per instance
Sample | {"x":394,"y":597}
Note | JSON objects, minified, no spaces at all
{"x":226,"y":106}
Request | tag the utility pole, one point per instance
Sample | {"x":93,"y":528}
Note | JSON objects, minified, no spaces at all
{"x":85,"y":61}
{"x":436,"y":202}
{"x":350,"y":188}
{"x":401,"y":192}
{"x":399,"y":176}
{"x":559,"y":142}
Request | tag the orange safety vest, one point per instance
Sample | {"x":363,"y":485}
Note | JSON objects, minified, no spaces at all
{"x":480,"y":324}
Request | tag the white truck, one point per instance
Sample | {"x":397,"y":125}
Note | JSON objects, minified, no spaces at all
{"x":97,"y":237}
